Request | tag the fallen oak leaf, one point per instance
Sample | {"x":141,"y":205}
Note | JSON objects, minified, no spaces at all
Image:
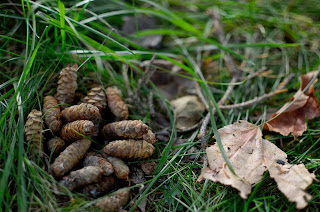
{"x":250,"y":156}
{"x":293,"y":118}
{"x":243,"y":145}
{"x":292,"y":180}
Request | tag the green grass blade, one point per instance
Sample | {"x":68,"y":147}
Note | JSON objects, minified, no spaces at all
{"x":62,"y":24}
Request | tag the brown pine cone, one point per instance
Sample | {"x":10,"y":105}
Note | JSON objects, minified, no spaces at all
{"x":82,"y":177}
{"x":150,"y":137}
{"x":51,"y":112}
{"x":33,"y":131}
{"x":121,"y":170}
{"x":131,"y":149}
{"x":114,"y":202}
{"x":134,"y":129}
{"x":74,"y":130}
{"x":83,"y":111}
{"x":56,"y":145}
{"x":97,"y":97}
{"x":103,"y":163}
{"x":67,"y":85}
{"x":69,"y":157}
{"x":116,"y":104}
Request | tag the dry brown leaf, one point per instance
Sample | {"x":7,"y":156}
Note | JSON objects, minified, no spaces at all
{"x":188,"y":111}
{"x":292,"y":180}
{"x":293,"y":119}
{"x":250,"y":156}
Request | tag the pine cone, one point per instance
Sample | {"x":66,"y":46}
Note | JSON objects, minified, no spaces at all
{"x":56,"y":145}
{"x":74,"y":130}
{"x":121,"y":170}
{"x":116,"y":104}
{"x":104,"y":164}
{"x":83,"y":111}
{"x":97,"y":97}
{"x":114,"y":202}
{"x":82,"y":177}
{"x":130,"y":149}
{"x":134,"y":129}
{"x":51,"y":112}
{"x":33,"y":128}
{"x":150,"y":137}
{"x":67,"y":85}
{"x":69,"y":157}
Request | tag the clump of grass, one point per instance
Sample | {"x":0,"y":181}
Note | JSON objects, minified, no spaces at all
{"x":38,"y":39}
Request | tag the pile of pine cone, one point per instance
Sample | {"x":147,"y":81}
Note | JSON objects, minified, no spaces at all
{"x":75,"y":128}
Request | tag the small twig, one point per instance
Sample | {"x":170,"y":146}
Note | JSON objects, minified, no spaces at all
{"x":255,"y":100}
{"x":136,"y":96}
{"x":286,"y":81}
{"x":205,"y":160}
{"x":260,"y":98}
{"x":200,"y":95}
{"x":254,"y":74}
{"x":46,"y":160}
{"x":126,"y":79}
{"x":252,"y":101}
{"x":133,"y":99}
{"x":228,"y":92}
{"x":205,"y":121}
{"x":148,"y":72}
{"x":203,"y":129}
{"x":150,"y":104}
{"x":19,"y":11}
